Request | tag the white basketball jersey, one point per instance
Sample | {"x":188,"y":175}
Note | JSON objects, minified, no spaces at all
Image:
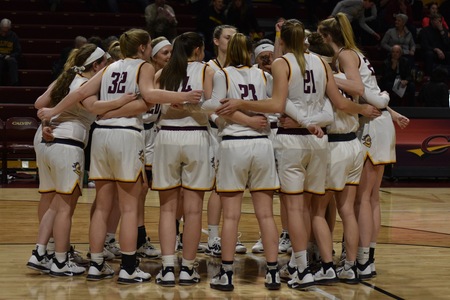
{"x":367,"y":73}
{"x":193,"y":81}
{"x":246,"y":83}
{"x":215,"y":64}
{"x":307,"y":92}
{"x":343,"y":122}
{"x":119,"y":78}
{"x":75,"y":122}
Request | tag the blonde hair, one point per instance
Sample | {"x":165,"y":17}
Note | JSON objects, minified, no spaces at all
{"x":293,"y":35}
{"x":340,"y":30}
{"x":131,"y":40}
{"x":239,"y":51}
{"x":114,"y":51}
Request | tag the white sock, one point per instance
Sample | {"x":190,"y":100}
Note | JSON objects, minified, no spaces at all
{"x":97,"y":258}
{"x":188,"y":263}
{"x":213,"y":231}
{"x":41,"y":249}
{"x":51,"y":246}
{"x":363,"y":255}
{"x":292,"y":262}
{"x":168,"y":260}
{"x":61,"y":256}
{"x":373,"y":245}
{"x":301,"y":258}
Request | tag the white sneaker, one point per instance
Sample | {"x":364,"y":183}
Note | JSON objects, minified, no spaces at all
{"x":214,"y":247}
{"x":223,"y":281}
{"x":91,"y":184}
{"x":364,"y":271}
{"x":166,"y":276}
{"x":138,"y":276}
{"x":113,"y":248}
{"x":148,"y":250}
{"x":39,"y":263}
{"x":240,"y":248}
{"x":67,"y":268}
{"x":372,"y":268}
{"x":301,"y":280}
{"x":188,"y":276}
{"x":287,"y":272}
{"x":347,"y":275}
{"x":258,"y":247}
{"x":322,"y":277}
{"x":98,"y":272}
{"x":284,"y":242}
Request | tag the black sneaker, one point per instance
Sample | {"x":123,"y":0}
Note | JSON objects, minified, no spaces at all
{"x":223,"y":281}
{"x":272,"y":281}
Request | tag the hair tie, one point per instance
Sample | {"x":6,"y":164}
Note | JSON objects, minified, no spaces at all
{"x":78,"y":70}
{"x":159,"y":46}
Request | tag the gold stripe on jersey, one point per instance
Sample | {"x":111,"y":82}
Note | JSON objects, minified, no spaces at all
{"x":289,"y":66}
{"x":227,"y":78}
{"x":138,"y":72}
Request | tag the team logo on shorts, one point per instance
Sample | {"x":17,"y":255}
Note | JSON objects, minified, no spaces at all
{"x":141,"y":156}
{"x":213,"y":165}
{"x":77,"y":168}
{"x":367,"y":141}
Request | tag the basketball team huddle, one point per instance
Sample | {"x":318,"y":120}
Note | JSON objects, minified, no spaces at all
{"x":302,"y":117}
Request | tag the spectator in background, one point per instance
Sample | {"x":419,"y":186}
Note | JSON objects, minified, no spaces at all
{"x":207,"y":21}
{"x":436,"y":92}
{"x":354,"y":10}
{"x":58,"y":66}
{"x":394,"y":7}
{"x":435,"y":44}
{"x":10,"y":52}
{"x":400,"y":35}
{"x":161,"y":21}
{"x":432,"y":9}
{"x":240,"y":15}
{"x":398,"y":66}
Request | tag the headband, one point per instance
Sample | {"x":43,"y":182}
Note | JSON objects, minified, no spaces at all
{"x":159,"y":46}
{"x":262,"y":48}
{"x":94,"y":56}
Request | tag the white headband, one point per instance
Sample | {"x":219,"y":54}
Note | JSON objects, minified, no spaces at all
{"x":94,"y":56}
{"x":159,"y":46}
{"x":262,"y":48}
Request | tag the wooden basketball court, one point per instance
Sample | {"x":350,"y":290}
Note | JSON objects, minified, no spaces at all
{"x":412,"y":256}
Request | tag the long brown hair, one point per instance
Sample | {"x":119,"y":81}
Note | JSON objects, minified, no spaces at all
{"x":61,"y":87}
{"x":175,"y":71}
